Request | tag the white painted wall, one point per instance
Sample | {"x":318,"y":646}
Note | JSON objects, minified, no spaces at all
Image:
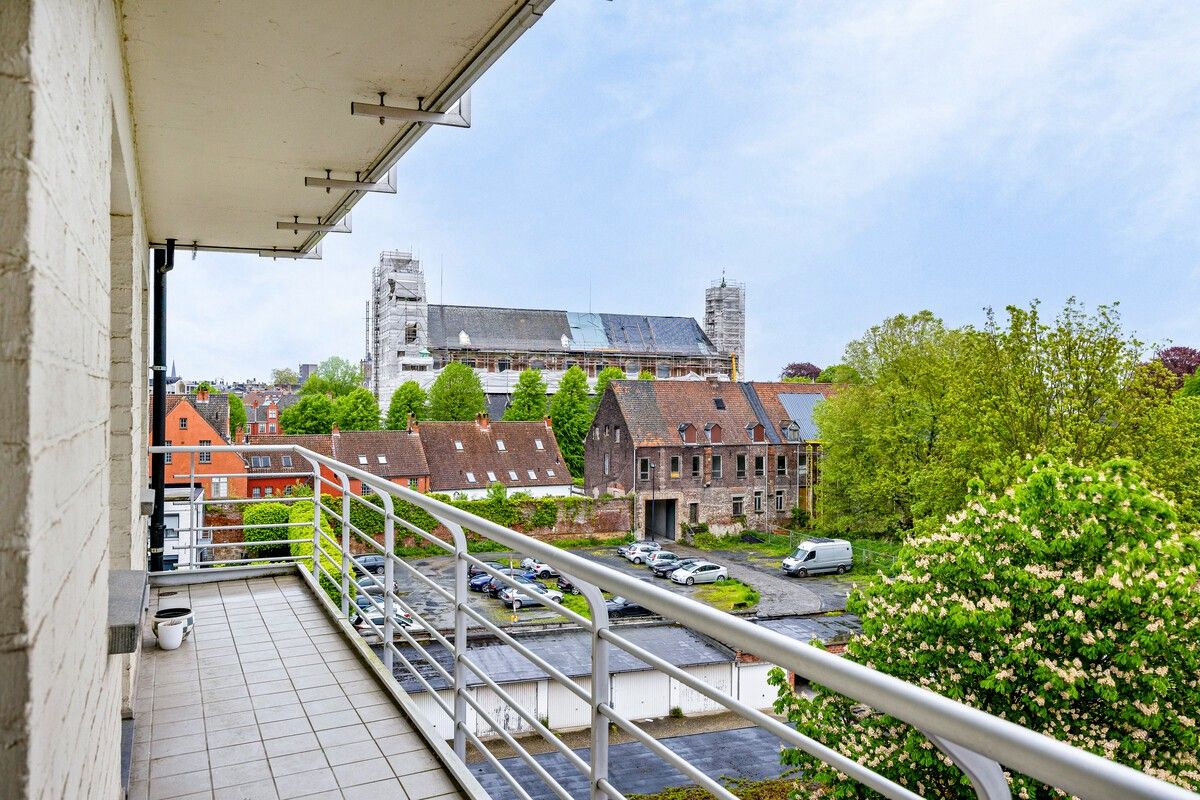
{"x":752,"y":686}
{"x":567,"y":710}
{"x":641,"y":695}
{"x":532,"y":491}
{"x":687,"y":699}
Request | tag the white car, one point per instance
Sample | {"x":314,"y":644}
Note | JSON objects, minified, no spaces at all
{"x":539,"y":568}
{"x":641,"y":551}
{"x":655,"y":557}
{"x":704,"y":572}
{"x":400,"y":618}
{"x":521,"y":597}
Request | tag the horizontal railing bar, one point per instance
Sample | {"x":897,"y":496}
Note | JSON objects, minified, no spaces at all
{"x":264,"y":526}
{"x":495,"y":764}
{"x":273,"y":559}
{"x":785,"y":732}
{"x":537,"y":660}
{"x":667,"y":754}
{"x":613,"y":792}
{"x":535,"y":723}
{"x":214,"y":545}
{"x":234,"y":501}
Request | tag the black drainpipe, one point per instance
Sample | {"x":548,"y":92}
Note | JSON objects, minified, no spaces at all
{"x":164,"y":261}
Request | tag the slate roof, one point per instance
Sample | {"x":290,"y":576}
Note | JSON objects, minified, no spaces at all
{"x":448,"y":465}
{"x":401,"y":450}
{"x":541,"y":330}
{"x":795,"y":402}
{"x":215,"y":411}
{"x":655,"y":410}
{"x":569,"y":651}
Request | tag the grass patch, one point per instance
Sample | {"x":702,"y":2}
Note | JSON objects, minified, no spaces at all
{"x":772,"y":789}
{"x":772,"y":544}
{"x":578,"y":604}
{"x":579,"y":542}
{"x":729,"y":595}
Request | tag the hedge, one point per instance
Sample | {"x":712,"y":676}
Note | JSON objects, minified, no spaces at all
{"x":266,"y":514}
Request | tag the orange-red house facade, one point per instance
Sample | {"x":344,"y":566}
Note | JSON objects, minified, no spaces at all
{"x":199,"y":420}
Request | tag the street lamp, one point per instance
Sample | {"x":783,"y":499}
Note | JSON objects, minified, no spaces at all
{"x":653,"y":504}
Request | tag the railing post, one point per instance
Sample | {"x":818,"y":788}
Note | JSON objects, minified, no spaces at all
{"x":346,"y":568}
{"x":316,"y":553}
{"x":601,"y":685}
{"x":460,"y":639}
{"x":389,"y":578}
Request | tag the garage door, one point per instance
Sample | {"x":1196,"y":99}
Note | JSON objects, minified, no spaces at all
{"x":525,"y":694}
{"x":641,"y":695}
{"x":566,"y":709}
{"x":691,"y":701}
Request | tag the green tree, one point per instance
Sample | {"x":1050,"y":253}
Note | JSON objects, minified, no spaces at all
{"x":285,"y":377}
{"x":313,"y":413}
{"x":529,"y":398}
{"x":357,"y":411}
{"x":237,"y":415}
{"x":798,"y":379}
{"x":839,"y":373}
{"x":335,"y":376}
{"x":605,"y":377}
{"x":202,"y":386}
{"x":409,"y":398}
{"x":571,"y":416}
{"x":1191,"y":386}
{"x":1066,"y":604}
{"x":457,"y":394}
{"x":645,"y":375}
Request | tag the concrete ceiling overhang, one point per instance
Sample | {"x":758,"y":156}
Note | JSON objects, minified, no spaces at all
{"x":236,"y":103}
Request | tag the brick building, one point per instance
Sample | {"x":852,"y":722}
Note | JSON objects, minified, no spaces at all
{"x":465,"y":458}
{"x":722,"y":453}
{"x":198,"y":420}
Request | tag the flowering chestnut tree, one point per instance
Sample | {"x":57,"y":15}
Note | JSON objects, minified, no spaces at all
{"x":1069,"y":604}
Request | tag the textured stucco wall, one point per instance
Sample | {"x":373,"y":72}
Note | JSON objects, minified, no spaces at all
{"x":60,"y":700}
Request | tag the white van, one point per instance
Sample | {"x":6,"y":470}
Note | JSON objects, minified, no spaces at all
{"x":820,"y":554}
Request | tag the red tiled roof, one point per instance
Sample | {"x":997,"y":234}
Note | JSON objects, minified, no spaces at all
{"x":480,"y":454}
{"x":403,"y":456}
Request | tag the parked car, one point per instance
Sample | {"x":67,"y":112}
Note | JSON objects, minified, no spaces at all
{"x":496,"y":585}
{"x":372,"y":564}
{"x":566,"y":586}
{"x":522,"y":597}
{"x":480,"y":582}
{"x":624,"y":549}
{"x":401,"y":618}
{"x":663,"y":569}
{"x":475,"y":569}
{"x":539,"y":568}
{"x":620,"y":607}
{"x":639,"y":552}
{"x":820,"y":554}
{"x":657,"y":556}
{"x":702,"y":572}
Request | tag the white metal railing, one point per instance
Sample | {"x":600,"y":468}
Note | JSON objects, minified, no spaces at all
{"x":977,"y":742}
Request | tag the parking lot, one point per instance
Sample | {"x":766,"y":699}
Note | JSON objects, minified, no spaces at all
{"x":780,"y":596}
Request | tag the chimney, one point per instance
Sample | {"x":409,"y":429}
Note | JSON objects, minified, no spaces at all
{"x":336,"y":430}
{"x":482,"y":421}
{"x":239,"y":435}
{"x":411,"y":424}
{"x":549,"y":424}
{"x":254,"y":403}
{"x":202,"y":395}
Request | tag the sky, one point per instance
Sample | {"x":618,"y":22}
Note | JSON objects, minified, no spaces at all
{"x":845,"y":161}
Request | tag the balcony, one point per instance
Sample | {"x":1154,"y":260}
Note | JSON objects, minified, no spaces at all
{"x":275,"y":669}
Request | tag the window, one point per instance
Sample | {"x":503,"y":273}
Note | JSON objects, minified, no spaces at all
{"x":714,"y":432}
{"x":206,"y":458}
{"x":382,"y":458}
{"x":255,"y":492}
{"x":663,"y":370}
{"x":258,"y":462}
{"x":741,"y":465}
{"x":503,"y":365}
{"x":362,"y":459}
{"x":512,"y":475}
{"x":262,"y":427}
{"x":716,"y":467}
{"x":693,"y":513}
{"x":167,"y":456}
{"x":457,"y":445}
{"x":491,"y":476}
{"x":674,"y":466}
{"x":183,"y":423}
{"x":470,"y":477}
{"x":532,"y":474}
{"x":271,"y":412}
{"x":500,"y":445}
{"x":271,"y":427}
{"x":719,"y":402}
{"x":644,"y":469}
{"x":285,"y":460}
{"x":739,"y":506}
{"x":220,"y":487}
{"x":758,"y":433}
{"x":758,"y":501}
{"x":781,"y":466}
{"x":550,"y":473}
{"x":596,"y":434}
{"x":538,"y":444}
{"x":695,"y":466}
{"x":172,"y":523}
{"x":606,"y":463}
{"x":779,"y":500}
{"x":410,"y":333}
{"x":617,"y":433}
{"x":412,"y":484}
{"x":269,"y":492}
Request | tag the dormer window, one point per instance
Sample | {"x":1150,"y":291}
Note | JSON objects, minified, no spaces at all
{"x":382,"y":458}
{"x":470,"y":477}
{"x":532,"y":475}
{"x":538,"y":444}
{"x":491,"y":476}
{"x":512,"y":475}
{"x":714,"y":432}
{"x":500,"y":445}
{"x":457,"y":445}
{"x":719,"y":402}
{"x":687,"y":431}
{"x":362,"y":460}
{"x":757,"y":432}
{"x":550,"y":473}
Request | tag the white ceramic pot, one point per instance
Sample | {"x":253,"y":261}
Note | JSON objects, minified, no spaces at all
{"x":170,"y":634}
{"x":167,"y":614}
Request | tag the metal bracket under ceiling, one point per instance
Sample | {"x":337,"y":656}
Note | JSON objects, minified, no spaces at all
{"x":387,"y":185}
{"x":312,"y":255}
{"x":321,"y":227}
{"x":457,"y":116}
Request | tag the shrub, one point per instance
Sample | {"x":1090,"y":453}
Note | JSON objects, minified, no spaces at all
{"x":1068,"y":605}
{"x":302,"y":549}
{"x":257,"y":514}
{"x":545,"y":513}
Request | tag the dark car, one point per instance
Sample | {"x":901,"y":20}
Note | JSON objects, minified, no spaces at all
{"x":495,"y":585}
{"x":480,"y":582}
{"x":371,"y":564}
{"x":620,"y":607}
{"x":475,"y":569}
{"x":665,"y":569}
{"x":565,"y":586}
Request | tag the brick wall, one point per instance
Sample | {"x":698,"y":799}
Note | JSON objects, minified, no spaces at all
{"x":60,"y":701}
